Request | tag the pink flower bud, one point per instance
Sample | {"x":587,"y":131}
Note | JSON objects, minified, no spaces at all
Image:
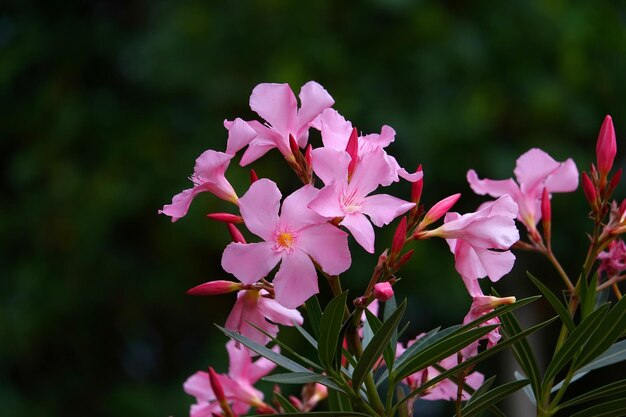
{"x":215,"y":288}
{"x":225,"y":217}
{"x":486,"y":303}
{"x":438,"y":210}
{"x":253,"y":177}
{"x":235,"y":233}
{"x":405,"y":258}
{"x":546,"y":215}
{"x":606,"y":147}
{"x":614,"y":182}
{"x":589,"y":190}
{"x":383,"y":291}
{"x":307,"y":155}
{"x":353,"y":150}
{"x":216,"y":385}
{"x":399,"y":237}
{"x":417,"y":187}
{"x":293,"y":145}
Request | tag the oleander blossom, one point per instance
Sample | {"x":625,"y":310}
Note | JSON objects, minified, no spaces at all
{"x":534,"y":171}
{"x":238,"y":384}
{"x":292,"y":239}
{"x":613,"y":260}
{"x":255,"y":308}
{"x":208,"y":175}
{"x":277,"y":104}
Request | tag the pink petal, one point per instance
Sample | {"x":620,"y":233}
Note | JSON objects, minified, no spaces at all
{"x":239,"y":135}
{"x":259,"y":208}
{"x":361,"y":230}
{"x":199,"y":386}
{"x":249,"y":262}
{"x":180,"y":203}
{"x":238,"y":359}
{"x":245,"y":313}
{"x":564,"y":179}
{"x":335,"y":129}
{"x":313,"y":100}
{"x":327,"y":203}
{"x":494,"y":188}
{"x":295,"y":213}
{"x":209,"y":171}
{"x":296,"y":280}
{"x":255,"y":150}
{"x":277,"y":105}
{"x":328,"y":246}
{"x":535,"y":166}
{"x":260,"y":368}
{"x":204,"y":410}
{"x":371,"y":171}
{"x":330,"y":165}
{"x":382,"y":140}
{"x":275,"y":312}
{"x":467,"y":263}
{"x":496,"y":264}
{"x":416,"y":176}
{"x":383,"y":208}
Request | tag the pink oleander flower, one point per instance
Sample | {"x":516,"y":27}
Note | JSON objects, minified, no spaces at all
{"x":348,"y":197}
{"x":276,"y":104}
{"x":481,"y":305}
{"x":613,"y":260}
{"x":291,"y":239}
{"x":336,"y":130}
{"x":534,"y":171}
{"x":238,"y":384}
{"x":208,"y":175}
{"x":256,"y":308}
{"x":606,"y":147}
{"x":383,"y":291}
{"x":472,"y":238}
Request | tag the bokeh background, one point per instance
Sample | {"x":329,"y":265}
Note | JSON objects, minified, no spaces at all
{"x":106,"y":104}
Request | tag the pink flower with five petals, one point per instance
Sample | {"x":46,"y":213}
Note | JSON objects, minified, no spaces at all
{"x":291,"y":239}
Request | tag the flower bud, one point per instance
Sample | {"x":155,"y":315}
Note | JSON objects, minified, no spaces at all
{"x":606,"y":147}
{"x":383,"y":291}
{"x":218,"y":390}
{"x":215,"y":288}
{"x":293,"y":145}
{"x":416,"y":188}
{"x":546,"y":215}
{"x":225,"y":217}
{"x":353,"y":150}
{"x":253,"y":177}
{"x":235,"y":233}
{"x":308,"y":156}
{"x":485,"y":303}
{"x":438,"y":210}
{"x":399,"y":237}
{"x":589,"y":190}
{"x":405,"y":258}
{"x":614,"y":182}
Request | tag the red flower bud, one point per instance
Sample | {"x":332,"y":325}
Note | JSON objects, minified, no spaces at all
{"x":589,"y":190}
{"x":606,"y":147}
{"x":614,"y":182}
{"x":405,"y":258}
{"x":438,"y":210}
{"x":383,"y":291}
{"x":215,"y":288}
{"x":546,"y":216}
{"x":417,"y":187}
{"x":253,"y":177}
{"x":235,"y":233}
{"x":216,"y":385}
{"x":293,"y":145}
{"x":353,"y":150}
{"x":399,"y":237}
{"x":307,"y":155}
{"x":225,"y":217}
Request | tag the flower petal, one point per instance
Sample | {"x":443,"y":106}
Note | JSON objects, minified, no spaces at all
{"x":181,"y":202}
{"x":279,"y":314}
{"x":328,"y":246}
{"x":383,"y":208}
{"x":495,"y":264}
{"x":199,"y":386}
{"x":296,"y":280}
{"x":295,"y":213}
{"x":249,"y":262}
{"x":371,"y":171}
{"x":314,"y":99}
{"x":361,"y":230}
{"x":327,"y":202}
{"x":335,"y":129}
{"x":330,"y":165}
{"x":277,"y":105}
{"x":239,"y":135}
{"x":259,"y":208}
{"x":564,"y":179}
{"x":494,"y":188}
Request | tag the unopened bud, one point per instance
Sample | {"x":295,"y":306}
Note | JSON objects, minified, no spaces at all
{"x":438,"y":210}
{"x":606,"y":147}
{"x":546,"y":215}
{"x":399,"y":237}
{"x":382,"y":259}
{"x":307,"y":155}
{"x":353,"y":150}
{"x":217,"y":388}
{"x":215,"y":288}
{"x":225,"y":217}
{"x":416,"y":188}
{"x":383,"y":291}
{"x":589,"y":190}
{"x":253,"y":177}
{"x":235,"y":234}
{"x":486,"y":303}
{"x":293,"y":145}
{"x":405,"y":258}
{"x":614,"y":182}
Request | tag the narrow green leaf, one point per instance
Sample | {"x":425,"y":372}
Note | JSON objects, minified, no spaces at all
{"x":588,"y":297}
{"x":330,"y":327}
{"x":614,"y":408}
{"x":492,"y":397}
{"x":575,"y":341}
{"x":379,"y":343}
{"x":484,"y":387}
{"x":390,"y":307}
{"x":326,"y":414}
{"x":527,"y":389}
{"x":375,"y":324}
{"x":618,"y":387}
{"x":306,"y":335}
{"x":314,"y":312}
{"x":294,"y":378}
{"x":287,"y":406}
{"x":554,"y":301}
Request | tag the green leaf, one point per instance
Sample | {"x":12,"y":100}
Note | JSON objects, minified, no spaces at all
{"x":491,"y":397}
{"x":555,"y":302}
{"x":484,"y":387}
{"x":330,"y":327}
{"x":588,"y":296}
{"x":306,"y":335}
{"x":295,"y":378}
{"x":326,"y":414}
{"x":614,"y":408}
{"x":606,"y":334}
{"x":390,"y":307}
{"x":337,"y":401}
{"x":614,"y":388}
{"x":527,"y":389}
{"x":575,"y":341}
{"x":314,"y":312}
{"x":376,"y":347}
{"x":287,"y":406}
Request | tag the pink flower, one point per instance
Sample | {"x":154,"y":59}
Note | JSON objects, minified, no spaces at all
{"x":473,"y":236}
{"x":238,"y":384}
{"x":383,"y":291}
{"x":277,"y":104}
{"x":481,"y":305}
{"x":291,"y":239}
{"x":256,"y":308}
{"x":348,"y":198}
{"x":613,"y":260}
{"x":336,"y":130}
{"x":208,"y":175}
{"x":535,"y":170}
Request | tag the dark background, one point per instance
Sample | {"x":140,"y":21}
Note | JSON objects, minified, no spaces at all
{"x":105,"y":106}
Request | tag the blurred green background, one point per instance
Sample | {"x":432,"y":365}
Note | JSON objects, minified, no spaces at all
{"x":106,"y":104}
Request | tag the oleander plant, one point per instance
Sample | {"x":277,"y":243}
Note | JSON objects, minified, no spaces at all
{"x":286,"y":243}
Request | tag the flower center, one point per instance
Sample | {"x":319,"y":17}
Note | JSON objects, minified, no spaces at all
{"x":285,"y":241}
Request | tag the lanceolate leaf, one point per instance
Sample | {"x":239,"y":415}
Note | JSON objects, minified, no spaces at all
{"x":287,"y":406}
{"x":314,"y":312}
{"x":555,"y":302}
{"x":330,"y":327}
{"x":295,"y":378}
{"x":606,"y":334}
{"x":615,"y":388}
{"x":378,"y":344}
{"x":390,"y":307}
{"x":492,"y":397}
{"x":306,"y":335}
{"x":614,"y":408}
{"x":484,"y":387}
{"x":588,"y":298}
{"x":326,"y":414}
{"x":498,"y":312}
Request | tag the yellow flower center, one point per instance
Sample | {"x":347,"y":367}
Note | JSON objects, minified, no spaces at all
{"x":285,"y":240}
